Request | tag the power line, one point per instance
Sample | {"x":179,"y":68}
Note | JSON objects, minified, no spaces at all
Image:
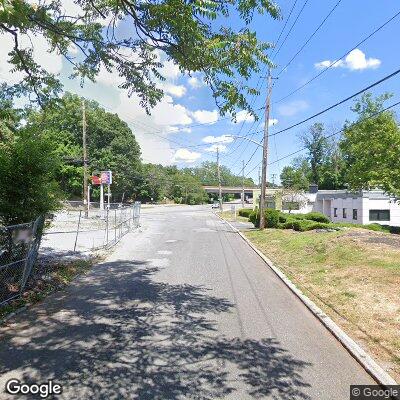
{"x":259,"y":86}
{"x":339,"y":102}
{"x":291,"y":28}
{"x":340,"y":58}
{"x":287,"y":20}
{"x":309,"y":39}
{"x":328,"y":136}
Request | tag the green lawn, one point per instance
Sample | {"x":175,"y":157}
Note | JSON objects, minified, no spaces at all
{"x":353,"y":275}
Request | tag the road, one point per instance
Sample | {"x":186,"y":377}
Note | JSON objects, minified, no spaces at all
{"x":182,"y":310}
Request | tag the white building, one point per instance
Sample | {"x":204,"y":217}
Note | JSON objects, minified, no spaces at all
{"x":364,"y":207}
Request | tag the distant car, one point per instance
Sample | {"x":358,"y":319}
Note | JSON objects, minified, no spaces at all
{"x":215,"y":204}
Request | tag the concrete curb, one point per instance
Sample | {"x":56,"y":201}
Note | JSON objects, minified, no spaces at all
{"x":364,"y":359}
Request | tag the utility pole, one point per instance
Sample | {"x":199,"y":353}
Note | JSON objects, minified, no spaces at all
{"x":273,"y":179}
{"x":242,"y":183}
{"x":259,"y":176}
{"x":265,"y":152}
{"x":219,"y":182}
{"x":85,"y":162}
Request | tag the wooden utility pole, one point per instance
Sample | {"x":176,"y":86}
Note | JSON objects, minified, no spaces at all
{"x":85,"y":162}
{"x":265,"y":152}
{"x":219,"y":182}
{"x":242,"y":183}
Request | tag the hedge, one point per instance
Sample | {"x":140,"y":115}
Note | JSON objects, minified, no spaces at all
{"x":271,"y":218}
{"x":306,"y":225}
{"x":245,"y":212}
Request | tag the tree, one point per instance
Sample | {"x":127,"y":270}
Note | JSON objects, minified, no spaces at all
{"x":27,"y":178}
{"x":371,"y":147}
{"x":207,"y":174}
{"x":296,"y":176}
{"x":316,"y":144}
{"x":189,"y":33}
{"x":111,"y":143}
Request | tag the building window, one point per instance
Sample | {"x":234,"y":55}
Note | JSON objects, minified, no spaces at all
{"x":355,"y":213}
{"x":379,"y":215}
{"x":335,"y":212}
{"x":344,"y":213}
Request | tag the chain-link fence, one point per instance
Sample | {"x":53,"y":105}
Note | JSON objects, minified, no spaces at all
{"x":19,"y":245}
{"x":69,"y":231}
{"x":72,"y":230}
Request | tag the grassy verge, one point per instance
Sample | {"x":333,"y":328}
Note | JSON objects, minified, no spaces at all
{"x":56,"y":277}
{"x":353,"y":275}
{"x":229,"y":216}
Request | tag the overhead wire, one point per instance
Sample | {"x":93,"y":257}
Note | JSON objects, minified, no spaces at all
{"x":309,"y":39}
{"x":329,"y":136}
{"x":339,"y":102}
{"x":333,"y":63}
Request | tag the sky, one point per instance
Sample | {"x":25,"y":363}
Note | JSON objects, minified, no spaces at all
{"x":185,"y":127}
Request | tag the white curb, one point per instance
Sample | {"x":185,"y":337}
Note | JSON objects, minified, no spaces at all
{"x":364,"y":359}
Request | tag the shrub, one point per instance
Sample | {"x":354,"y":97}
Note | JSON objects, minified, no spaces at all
{"x":27,"y":178}
{"x":271,"y":218}
{"x":317,"y":216}
{"x":245,"y":212}
{"x":305,"y":225}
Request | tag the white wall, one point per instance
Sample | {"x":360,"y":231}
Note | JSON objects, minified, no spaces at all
{"x":349,"y":204}
{"x":382,"y":204}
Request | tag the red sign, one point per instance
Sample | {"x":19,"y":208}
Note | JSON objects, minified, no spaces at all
{"x":96,"y":180}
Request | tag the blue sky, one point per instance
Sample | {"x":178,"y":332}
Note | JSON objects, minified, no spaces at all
{"x":189,"y":103}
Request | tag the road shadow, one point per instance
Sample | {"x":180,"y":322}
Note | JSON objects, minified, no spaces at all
{"x":120,"y":333}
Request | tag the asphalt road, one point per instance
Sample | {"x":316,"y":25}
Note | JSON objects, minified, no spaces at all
{"x":182,"y":310}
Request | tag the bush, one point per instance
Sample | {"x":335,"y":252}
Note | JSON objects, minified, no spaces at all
{"x":271,"y":218}
{"x":317,"y":216}
{"x":307,"y":225}
{"x":245,"y":212}
{"x":27,"y":178}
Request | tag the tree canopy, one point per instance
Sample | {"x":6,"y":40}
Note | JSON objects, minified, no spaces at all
{"x":189,"y":33}
{"x":371,"y":147}
{"x":111,"y":144}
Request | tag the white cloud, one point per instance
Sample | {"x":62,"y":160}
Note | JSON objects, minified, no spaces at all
{"x":173,"y":90}
{"x":292,"y":108}
{"x":244,"y":116}
{"x":272,"y":122}
{"x":355,"y":60}
{"x":206,"y":117}
{"x":218,"y":139}
{"x":50,"y":61}
{"x":195,"y":82}
{"x":170,"y":70}
{"x":186,"y":156}
{"x":174,"y":129}
{"x":215,"y":147}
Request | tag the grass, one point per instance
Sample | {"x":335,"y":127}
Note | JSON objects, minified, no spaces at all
{"x":229,"y":216}
{"x":353,"y":275}
{"x":61,"y":275}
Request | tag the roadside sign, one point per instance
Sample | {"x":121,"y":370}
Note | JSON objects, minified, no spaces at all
{"x":96,"y":180}
{"x":106,"y":177}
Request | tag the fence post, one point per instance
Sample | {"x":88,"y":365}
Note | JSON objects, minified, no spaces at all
{"x":107,"y":226}
{"x":115,"y":225}
{"x":77,"y":229}
{"x":36,"y":237}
